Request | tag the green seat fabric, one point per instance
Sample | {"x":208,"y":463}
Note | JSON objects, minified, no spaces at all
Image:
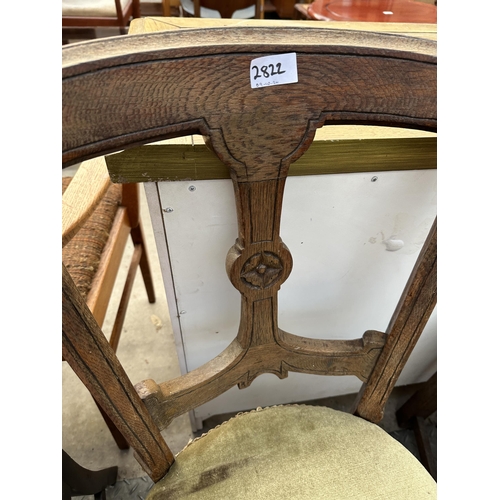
{"x":296,"y":452}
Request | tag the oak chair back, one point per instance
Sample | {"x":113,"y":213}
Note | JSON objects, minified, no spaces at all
{"x":206,"y":81}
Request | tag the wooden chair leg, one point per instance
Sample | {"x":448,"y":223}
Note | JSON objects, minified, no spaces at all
{"x":136,"y":9}
{"x":138,"y":239}
{"x":119,"y":438}
{"x":79,"y":481}
{"x":139,"y":258}
{"x":166,"y":8}
{"x":127,"y":291}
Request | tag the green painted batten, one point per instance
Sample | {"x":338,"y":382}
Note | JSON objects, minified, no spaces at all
{"x":198,"y":162}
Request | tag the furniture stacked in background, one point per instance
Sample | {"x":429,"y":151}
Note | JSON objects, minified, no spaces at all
{"x":81,"y":18}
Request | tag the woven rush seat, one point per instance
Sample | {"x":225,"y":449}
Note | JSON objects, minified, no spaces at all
{"x":82,"y":254}
{"x":296,"y":452}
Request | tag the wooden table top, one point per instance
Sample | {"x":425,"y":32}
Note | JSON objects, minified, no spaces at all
{"x":394,"y":11}
{"x":152,"y":24}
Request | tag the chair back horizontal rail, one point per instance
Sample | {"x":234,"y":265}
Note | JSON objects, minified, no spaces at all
{"x":76,"y":21}
{"x":239,"y":366}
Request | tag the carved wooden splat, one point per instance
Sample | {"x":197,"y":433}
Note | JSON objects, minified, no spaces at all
{"x":138,"y":89}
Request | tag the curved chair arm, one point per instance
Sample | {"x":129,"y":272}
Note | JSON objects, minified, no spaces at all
{"x":82,"y":196}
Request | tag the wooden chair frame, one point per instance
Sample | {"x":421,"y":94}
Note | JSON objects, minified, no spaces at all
{"x":121,"y":20}
{"x":345,"y":77}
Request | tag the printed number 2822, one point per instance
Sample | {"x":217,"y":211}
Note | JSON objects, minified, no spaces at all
{"x":267,"y":71}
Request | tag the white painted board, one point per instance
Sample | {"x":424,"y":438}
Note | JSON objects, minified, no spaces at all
{"x":354,"y":240}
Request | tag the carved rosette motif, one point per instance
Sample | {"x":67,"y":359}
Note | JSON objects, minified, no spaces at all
{"x":258,"y":271}
{"x":262,"y":270}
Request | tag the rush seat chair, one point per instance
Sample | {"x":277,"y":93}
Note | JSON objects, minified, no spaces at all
{"x":98,"y":221}
{"x":119,"y":93}
{"x":81,"y":17}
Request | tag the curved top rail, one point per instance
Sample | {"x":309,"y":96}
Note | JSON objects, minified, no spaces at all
{"x":127,"y":91}
{"x":189,"y":42}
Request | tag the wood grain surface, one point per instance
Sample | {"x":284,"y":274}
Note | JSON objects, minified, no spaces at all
{"x":125,"y":92}
{"x":88,"y":352}
{"x":408,"y":321}
{"x":84,"y":193}
{"x":400,"y":89}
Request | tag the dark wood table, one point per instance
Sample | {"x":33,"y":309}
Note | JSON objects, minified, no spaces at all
{"x":396,"y":11}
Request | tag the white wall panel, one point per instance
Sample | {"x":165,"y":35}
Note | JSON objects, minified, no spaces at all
{"x":354,"y":242}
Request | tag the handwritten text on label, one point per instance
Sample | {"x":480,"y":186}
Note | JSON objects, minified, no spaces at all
{"x":273,"y":70}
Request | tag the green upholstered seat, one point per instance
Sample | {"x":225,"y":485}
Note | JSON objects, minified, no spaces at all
{"x":296,"y":452}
